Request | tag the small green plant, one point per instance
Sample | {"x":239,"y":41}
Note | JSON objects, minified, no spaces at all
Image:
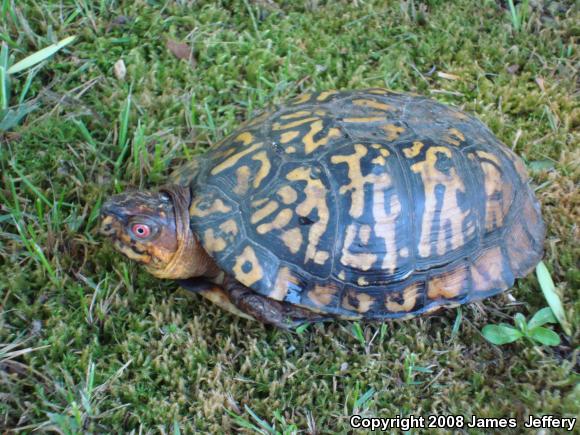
{"x":10,"y":116}
{"x":532,"y":330}
{"x":411,"y":369}
{"x":262,"y":426}
{"x":358,"y":333}
{"x":518,"y":14}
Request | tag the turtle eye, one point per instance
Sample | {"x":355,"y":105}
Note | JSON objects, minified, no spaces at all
{"x":141,"y":231}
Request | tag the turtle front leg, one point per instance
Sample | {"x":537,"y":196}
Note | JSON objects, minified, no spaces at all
{"x":280,"y":314}
{"x":214,"y":293}
{"x":245,"y":302}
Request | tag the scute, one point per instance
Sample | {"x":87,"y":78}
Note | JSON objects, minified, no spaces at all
{"x":366,"y":204}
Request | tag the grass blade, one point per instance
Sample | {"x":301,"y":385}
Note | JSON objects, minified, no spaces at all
{"x":40,"y":55}
{"x":26,"y":87}
{"x":3,"y":89}
{"x":457,"y":323}
{"x":552,"y":297}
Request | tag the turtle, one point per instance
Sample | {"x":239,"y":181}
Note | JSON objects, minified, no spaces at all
{"x":353,"y":204}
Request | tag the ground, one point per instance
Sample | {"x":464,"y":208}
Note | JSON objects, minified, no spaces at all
{"x":89,"y":342}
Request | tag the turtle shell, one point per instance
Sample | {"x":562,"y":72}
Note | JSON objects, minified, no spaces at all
{"x":366,"y":204}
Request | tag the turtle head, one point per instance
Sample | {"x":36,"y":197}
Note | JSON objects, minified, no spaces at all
{"x":152,"y":228}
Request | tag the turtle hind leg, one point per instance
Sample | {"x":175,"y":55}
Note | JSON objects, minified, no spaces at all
{"x":280,"y":314}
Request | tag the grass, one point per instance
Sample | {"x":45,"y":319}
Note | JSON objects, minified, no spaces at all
{"x":90,"y":343}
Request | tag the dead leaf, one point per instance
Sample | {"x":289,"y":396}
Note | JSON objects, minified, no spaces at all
{"x":447,"y":76}
{"x":540,"y":83}
{"x":119,"y":21}
{"x":120,"y":70}
{"x":513,"y":69}
{"x":181,"y":50}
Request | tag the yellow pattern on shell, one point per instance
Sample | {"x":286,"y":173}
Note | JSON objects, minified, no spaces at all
{"x":255,"y":272}
{"x":217,"y":206}
{"x":372,"y":104}
{"x":265,"y":167}
{"x":280,"y":221}
{"x":289,"y":136}
{"x":315,"y":193}
{"x":232,"y":160}
{"x":316,"y":127}
{"x":265,"y":211}
{"x":449,"y":212}
{"x":278,"y":126}
{"x":292,"y":239}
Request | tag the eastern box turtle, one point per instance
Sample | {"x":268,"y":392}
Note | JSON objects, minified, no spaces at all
{"x":356,"y":204}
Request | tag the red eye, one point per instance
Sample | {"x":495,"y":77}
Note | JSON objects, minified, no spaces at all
{"x":141,"y":231}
